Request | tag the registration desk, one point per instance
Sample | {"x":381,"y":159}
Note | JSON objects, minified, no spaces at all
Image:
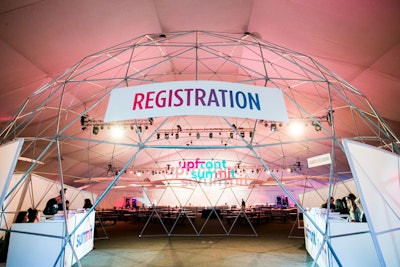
{"x":28,"y":249}
{"x":352,"y":248}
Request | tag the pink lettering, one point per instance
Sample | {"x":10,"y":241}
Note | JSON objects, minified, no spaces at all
{"x":138,"y":101}
{"x":149,"y":99}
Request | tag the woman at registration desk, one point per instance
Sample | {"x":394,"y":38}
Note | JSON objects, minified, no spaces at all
{"x":33,"y":215}
{"x":355,"y":210}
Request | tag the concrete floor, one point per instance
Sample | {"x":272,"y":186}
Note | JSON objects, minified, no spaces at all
{"x":122,"y":246}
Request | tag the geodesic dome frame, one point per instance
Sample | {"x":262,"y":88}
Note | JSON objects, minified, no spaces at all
{"x":63,"y":122}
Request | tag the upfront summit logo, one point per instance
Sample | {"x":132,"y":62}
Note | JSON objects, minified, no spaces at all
{"x":83,"y":237}
{"x":200,"y":169}
{"x":209,"y":173}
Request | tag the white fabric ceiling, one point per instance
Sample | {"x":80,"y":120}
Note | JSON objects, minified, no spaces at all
{"x":360,"y":42}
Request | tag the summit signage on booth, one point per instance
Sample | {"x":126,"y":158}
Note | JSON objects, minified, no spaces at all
{"x":204,"y":98}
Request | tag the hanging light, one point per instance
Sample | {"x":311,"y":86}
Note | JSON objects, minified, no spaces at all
{"x":95,"y":130}
{"x":273,"y":127}
{"x":117,"y":132}
{"x":296,"y":128}
{"x":317,"y":126}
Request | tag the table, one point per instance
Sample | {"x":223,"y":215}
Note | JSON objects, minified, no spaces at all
{"x":353,"y":244}
{"x":205,"y":213}
{"x":30,"y":248}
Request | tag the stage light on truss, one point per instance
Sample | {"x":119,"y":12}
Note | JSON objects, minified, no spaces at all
{"x":273,"y":127}
{"x":210,"y":135}
{"x":296,"y":128}
{"x":117,"y":132}
{"x":317,"y":126}
{"x":166,"y":136}
{"x":158,"y":136}
{"x":198,"y":135}
{"x":95,"y":130}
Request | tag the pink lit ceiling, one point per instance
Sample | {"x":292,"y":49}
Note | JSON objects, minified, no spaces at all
{"x":357,"y":40}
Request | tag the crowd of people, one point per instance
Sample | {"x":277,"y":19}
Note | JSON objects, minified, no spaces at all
{"x":350,"y":205}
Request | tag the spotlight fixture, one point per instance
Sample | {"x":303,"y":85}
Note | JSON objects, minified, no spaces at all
{"x":231,"y":135}
{"x":95,"y":130}
{"x":210,"y":135}
{"x":198,"y":135}
{"x":158,"y":136}
{"x":273,"y":127}
{"x":317,"y":126}
{"x":166,"y":135}
{"x":329,"y":117}
{"x":151,"y":121}
{"x":176,"y":136}
{"x":179,"y":128}
{"x":242,"y":134}
{"x":83,"y":119}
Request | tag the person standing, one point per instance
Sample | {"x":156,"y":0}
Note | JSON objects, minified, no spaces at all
{"x":53,"y":204}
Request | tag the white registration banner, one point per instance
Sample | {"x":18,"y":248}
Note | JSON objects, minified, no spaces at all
{"x":209,"y":98}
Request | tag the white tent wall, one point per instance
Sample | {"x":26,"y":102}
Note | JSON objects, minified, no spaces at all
{"x":200,"y":197}
{"x":315,"y":198}
{"x":376,"y":175}
{"x":33,"y":192}
{"x":8,"y":158}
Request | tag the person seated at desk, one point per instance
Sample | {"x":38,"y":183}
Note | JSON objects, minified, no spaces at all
{"x":354,"y":210}
{"x":87,"y":204}
{"x":33,"y":215}
{"x":340,"y":207}
{"x":331,"y":204}
{"x":361,"y":216}
{"x":22,"y":217}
